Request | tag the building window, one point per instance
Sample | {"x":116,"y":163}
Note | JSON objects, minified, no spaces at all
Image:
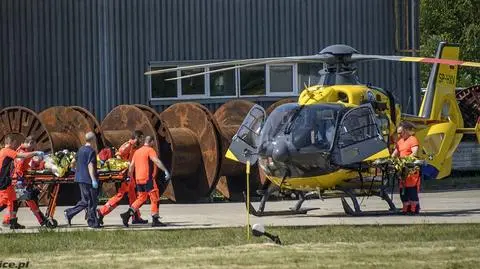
{"x":263,"y":80}
{"x":252,"y":80}
{"x":223,"y":83}
{"x":281,"y":79}
{"x":308,"y":75}
{"x":193,"y":85}
{"x":162,"y":88}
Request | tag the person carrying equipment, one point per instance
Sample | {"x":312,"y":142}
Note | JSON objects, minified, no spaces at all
{"x":144,"y":163}
{"x":8,"y":196}
{"x":125,"y":152}
{"x":407,"y":146}
{"x":30,"y":193}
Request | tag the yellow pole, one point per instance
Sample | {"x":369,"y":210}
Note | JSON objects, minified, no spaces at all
{"x":248,"y":200}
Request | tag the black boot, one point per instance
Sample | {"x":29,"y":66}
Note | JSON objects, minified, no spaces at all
{"x":126,"y":216}
{"x":157,"y":223}
{"x":14,"y":224}
{"x":138,"y":220}
{"x":100,"y":218}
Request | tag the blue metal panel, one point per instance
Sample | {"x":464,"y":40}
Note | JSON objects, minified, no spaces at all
{"x":93,"y":53}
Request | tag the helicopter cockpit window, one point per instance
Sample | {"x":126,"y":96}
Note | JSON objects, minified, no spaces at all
{"x":308,"y":126}
{"x":357,"y":127}
{"x":251,"y":127}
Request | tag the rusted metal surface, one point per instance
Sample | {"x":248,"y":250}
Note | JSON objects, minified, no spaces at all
{"x":117,"y":128}
{"x":94,"y":124}
{"x":469,"y":103}
{"x":118,"y":125}
{"x":53,"y":130}
{"x":66,"y":126}
{"x":279,"y":103}
{"x":22,"y":122}
{"x":229,"y":117}
{"x":190,"y":149}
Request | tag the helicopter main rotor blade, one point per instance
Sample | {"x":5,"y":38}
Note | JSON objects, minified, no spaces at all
{"x":361,"y":57}
{"x":248,"y":62}
{"x":307,"y":59}
{"x":235,"y":62}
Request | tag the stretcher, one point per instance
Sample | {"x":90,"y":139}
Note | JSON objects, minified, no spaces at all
{"x":53,"y":183}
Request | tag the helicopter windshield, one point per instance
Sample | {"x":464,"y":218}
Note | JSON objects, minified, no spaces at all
{"x":312,"y":125}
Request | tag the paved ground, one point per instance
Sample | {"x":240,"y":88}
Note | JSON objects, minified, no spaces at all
{"x":439,"y":207}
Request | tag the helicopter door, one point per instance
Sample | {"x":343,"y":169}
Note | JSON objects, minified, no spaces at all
{"x":245,"y":142}
{"x":359,"y":138}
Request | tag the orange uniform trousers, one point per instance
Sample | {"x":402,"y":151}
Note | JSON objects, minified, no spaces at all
{"x":144,"y":193}
{"x":7,"y":199}
{"x":409,"y":189}
{"x":11,"y":197}
{"x":125,"y":187}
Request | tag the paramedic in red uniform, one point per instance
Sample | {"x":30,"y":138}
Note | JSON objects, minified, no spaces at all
{"x":144,"y":163}
{"x":8,"y":197}
{"x":21,"y":168}
{"x":125,"y":152}
{"x":407,"y":145}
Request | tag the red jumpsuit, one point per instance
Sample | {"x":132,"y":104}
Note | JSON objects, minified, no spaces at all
{"x":21,"y":167}
{"x":125,"y":152}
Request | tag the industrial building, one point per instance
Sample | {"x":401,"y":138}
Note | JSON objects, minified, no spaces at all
{"x":93,"y":53}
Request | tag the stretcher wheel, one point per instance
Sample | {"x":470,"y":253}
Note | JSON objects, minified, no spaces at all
{"x":51,"y":223}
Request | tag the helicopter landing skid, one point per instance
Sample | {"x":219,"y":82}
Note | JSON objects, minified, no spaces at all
{"x":356,"y":211}
{"x":290,"y":212}
{"x":297,"y":210}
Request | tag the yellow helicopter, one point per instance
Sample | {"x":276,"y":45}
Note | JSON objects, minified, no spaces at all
{"x":328,"y":142}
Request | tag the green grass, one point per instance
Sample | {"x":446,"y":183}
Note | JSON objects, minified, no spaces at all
{"x":420,"y":246}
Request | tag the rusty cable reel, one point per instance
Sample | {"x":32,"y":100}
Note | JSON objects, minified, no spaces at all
{"x":120,"y":123}
{"x":94,"y":124}
{"x":190,"y":148}
{"x":54,"y":129}
{"x":231,"y":183}
{"x":469,"y":103}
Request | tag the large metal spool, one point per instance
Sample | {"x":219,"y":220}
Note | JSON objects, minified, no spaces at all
{"x":190,"y":149}
{"x":54,"y":129}
{"x":94,"y":124}
{"x":118,"y":125}
{"x":231,"y":183}
{"x":469,"y":103}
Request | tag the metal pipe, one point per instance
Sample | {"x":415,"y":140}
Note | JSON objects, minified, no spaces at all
{"x":415,"y":83}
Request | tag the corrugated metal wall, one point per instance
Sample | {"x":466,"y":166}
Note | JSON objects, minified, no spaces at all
{"x":93,"y":53}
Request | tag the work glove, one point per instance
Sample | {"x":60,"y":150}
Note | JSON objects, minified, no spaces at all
{"x":167,"y":176}
{"x":39,"y":153}
{"x":94,"y":183}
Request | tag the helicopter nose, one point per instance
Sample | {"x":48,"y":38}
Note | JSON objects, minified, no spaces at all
{"x":280,"y":151}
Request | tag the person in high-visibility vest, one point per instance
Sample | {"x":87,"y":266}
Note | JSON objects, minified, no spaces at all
{"x":407,"y":145}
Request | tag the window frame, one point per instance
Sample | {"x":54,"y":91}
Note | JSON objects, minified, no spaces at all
{"x":207,"y":87}
{"x":294,"y":80}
